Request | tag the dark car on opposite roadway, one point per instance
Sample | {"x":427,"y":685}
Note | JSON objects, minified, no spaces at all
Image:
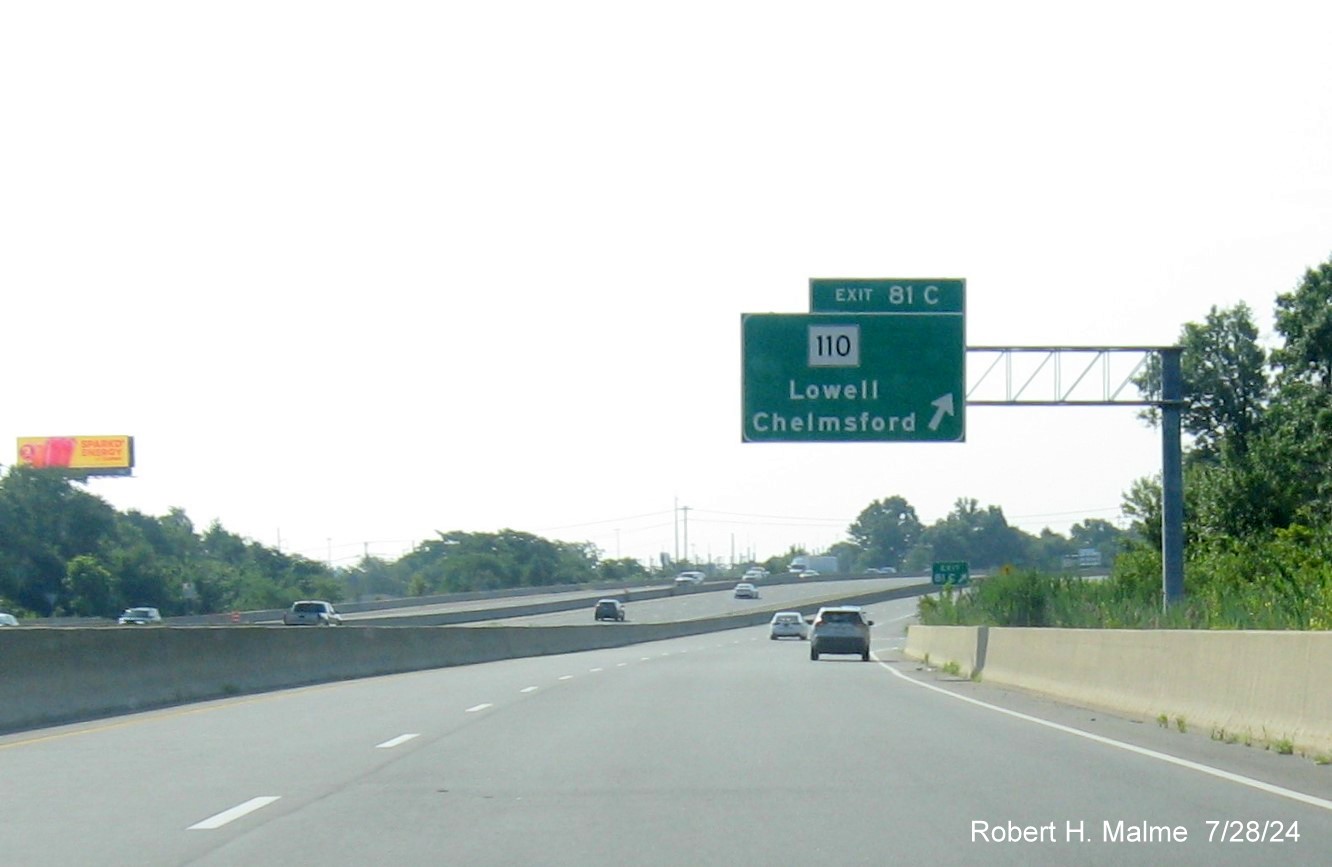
{"x":841,"y":629}
{"x":609,"y":609}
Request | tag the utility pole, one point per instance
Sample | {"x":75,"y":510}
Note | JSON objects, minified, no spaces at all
{"x":675,"y":521}
{"x":685,"y":509}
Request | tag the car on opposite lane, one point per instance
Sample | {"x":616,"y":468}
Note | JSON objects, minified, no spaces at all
{"x":312,"y":612}
{"x":609,"y":609}
{"x":8,"y":619}
{"x":840,"y":629}
{"x":788,"y":624}
{"x":142,"y":616}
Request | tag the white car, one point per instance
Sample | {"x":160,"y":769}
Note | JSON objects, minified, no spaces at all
{"x":808,"y":573}
{"x":689,"y":578}
{"x":746,"y":591}
{"x":312,"y":612}
{"x":8,"y":619}
{"x":755,"y":575}
{"x":140,"y":617}
{"x":788,"y":624}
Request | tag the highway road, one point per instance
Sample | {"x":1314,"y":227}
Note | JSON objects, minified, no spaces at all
{"x":697,"y":604}
{"x":725,"y":748}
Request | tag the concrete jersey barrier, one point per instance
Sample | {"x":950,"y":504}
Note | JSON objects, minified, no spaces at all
{"x":1267,"y":686}
{"x":62,"y":675}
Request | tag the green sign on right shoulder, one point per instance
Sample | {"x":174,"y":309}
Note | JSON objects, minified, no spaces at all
{"x":950,"y":572}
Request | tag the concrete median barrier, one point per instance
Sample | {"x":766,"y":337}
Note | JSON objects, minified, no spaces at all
{"x":1267,"y":687}
{"x":60,"y":675}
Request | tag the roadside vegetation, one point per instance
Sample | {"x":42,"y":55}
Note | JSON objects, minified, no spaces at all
{"x":1257,"y":493}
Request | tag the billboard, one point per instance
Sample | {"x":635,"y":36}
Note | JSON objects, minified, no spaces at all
{"x":91,"y":455}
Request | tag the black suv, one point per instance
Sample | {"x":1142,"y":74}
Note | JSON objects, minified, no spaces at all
{"x":609,"y":609}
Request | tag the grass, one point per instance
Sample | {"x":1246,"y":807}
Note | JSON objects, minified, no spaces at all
{"x":1216,"y":600}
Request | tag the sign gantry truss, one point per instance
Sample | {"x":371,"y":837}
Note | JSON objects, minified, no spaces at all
{"x":1099,"y":376}
{"x":1057,"y":375}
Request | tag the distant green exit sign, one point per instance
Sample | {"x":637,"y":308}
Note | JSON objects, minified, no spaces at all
{"x":950,"y":572}
{"x":887,"y":295}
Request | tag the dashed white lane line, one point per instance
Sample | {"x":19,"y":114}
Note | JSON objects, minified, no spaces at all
{"x":476,"y":707}
{"x":644,"y":659}
{"x":621,"y":664}
{"x":565,"y":677}
{"x":398,"y":741}
{"x":595,"y":670}
{"x":228,"y":816}
{"x":528,"y":689}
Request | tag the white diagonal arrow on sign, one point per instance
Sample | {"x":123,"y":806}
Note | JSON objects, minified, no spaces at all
{"x":942,"y":406}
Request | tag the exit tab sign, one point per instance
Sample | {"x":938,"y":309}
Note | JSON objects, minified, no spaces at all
{"x":887,"y":295}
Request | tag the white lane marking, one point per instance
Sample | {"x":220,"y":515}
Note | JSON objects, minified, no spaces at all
{"x":528,"y":689}
{"x":903,"y":617}
{"x":227,"y":816}
{"x":566,"y":677}
{"x":393,"y":742}
{"x":476,"y":707}
{"x":621,"y":664}
{"x":644,"y":658}
{"x":1311,"y":800}
{"x":596,"y":669}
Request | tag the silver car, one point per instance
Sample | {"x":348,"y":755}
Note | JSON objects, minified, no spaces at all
{"x":843,"y":629}
{"x":312,"y":612}
{"x":8,"y":619}
{"x":140,"y":617}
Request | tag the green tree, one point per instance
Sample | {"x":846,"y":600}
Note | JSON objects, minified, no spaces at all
{"x":1225,"y":384}
{"x":982,"y":537}
{"x":1304,"y":319}
{"x":885,"y":531}
{"x":90,"y":589}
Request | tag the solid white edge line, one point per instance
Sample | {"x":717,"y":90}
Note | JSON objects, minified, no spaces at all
{"x":476,"y":707}
{"x":212,"y":823}
{"x":1311,"y":800}
{"x":399,"y":740}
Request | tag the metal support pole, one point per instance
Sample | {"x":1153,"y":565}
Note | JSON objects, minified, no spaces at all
{"x":1172,"y":479}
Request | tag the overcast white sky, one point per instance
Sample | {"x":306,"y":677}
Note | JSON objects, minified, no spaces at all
{"x":358,"y":272}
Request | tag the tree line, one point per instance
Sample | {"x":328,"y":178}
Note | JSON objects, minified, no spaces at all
{"x":67,"y":552}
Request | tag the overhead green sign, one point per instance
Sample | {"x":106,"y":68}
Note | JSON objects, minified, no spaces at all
{"x":887,"y":295}
{"x":853,"y":377}
{"x":950,"y":572}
